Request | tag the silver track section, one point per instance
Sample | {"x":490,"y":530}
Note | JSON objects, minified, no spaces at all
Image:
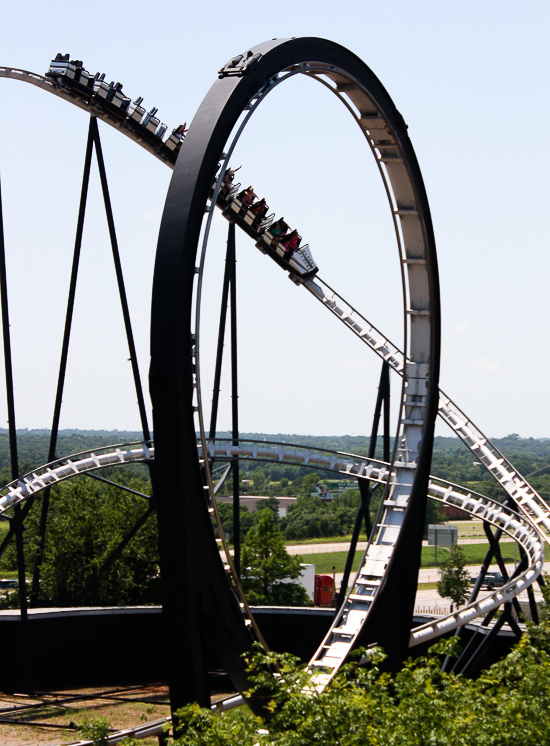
{"x":412,"y":366}
{"x":370,"y":578}
{"x":90,"y":104}
{"x":527,"y":498}
{"x":511,"y":523}
{"x":479,"y":506}
{"x":57,"y":471}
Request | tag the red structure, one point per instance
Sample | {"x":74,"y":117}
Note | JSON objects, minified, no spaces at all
{"x":324,"y":590}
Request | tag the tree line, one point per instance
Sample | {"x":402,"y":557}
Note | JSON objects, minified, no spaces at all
{"x":92,"y":557}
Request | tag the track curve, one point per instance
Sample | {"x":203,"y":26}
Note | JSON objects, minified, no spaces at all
{"x":386,"y":141}
{"x":477,"y":505}
{"x":93,"y":106}
{"x":174,"y":383}
{"x":498,"y":466}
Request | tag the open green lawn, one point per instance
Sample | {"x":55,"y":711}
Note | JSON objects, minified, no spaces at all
{"x":475,"y":554}
{"x":324,"y":540}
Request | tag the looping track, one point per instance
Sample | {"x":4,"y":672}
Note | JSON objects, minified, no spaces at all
{"x":498,"y":466}
{"x":477,"y":505}
{"x":175,"y":379}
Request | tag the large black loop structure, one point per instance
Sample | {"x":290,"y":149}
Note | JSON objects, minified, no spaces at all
{"x":202,"y":606}
{"x":199,"y":605}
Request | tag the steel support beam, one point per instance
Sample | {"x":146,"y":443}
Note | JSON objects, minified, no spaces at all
{"x":231,"y":251}
{"x":120,"y":282}
{"x":25,"y":672}
{"x":64,"y":357}
{"x":382,"y":400}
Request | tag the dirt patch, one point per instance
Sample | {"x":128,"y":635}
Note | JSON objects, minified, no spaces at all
{"x":53,"y":717}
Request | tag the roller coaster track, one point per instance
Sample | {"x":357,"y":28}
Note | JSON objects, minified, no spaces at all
{"x":385,"y":133}
{"x":92,"y":105}
{"x":499,"y":467}
{"x":475,"y":504}
{"x":526,"y":497}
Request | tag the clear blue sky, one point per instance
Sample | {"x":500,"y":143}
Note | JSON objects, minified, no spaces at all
{"x":471,"y":80}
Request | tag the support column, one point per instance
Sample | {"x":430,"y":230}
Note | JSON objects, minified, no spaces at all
{"x":232,"y":260}
{"x":25,"y":672}
{"x":63,"y":361}
{"x":382,"y":399}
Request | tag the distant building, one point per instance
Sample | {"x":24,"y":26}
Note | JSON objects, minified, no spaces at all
{"x":452,"y":513}
{"x":254,"y":502}
{"x":325,"y":493}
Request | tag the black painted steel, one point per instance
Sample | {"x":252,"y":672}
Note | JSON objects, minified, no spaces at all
{"x":483,"y":647}
{"x":232,"y":251}
{"x":25,"y":672}
{"x":94,"y":141}
{"x":495,"y":547}
{"x":221,"y":341}
{"x":120,"y":282}
{"x":123,"y":487}
{"x":63,"y":362}
{"x":196,"y":593}
{"x":382,"y":399}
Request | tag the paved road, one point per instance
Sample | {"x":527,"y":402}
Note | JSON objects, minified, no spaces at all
{"x":343,"y":546}
{"x":427,"y":601}
{"x":430,"y":602}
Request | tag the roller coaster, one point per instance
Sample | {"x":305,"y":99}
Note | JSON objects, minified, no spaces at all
{"x":209,"y":608}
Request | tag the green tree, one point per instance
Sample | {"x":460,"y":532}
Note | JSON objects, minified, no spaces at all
{"x":272,"y":504}
{"x":225,"y":511}
{"x":307,"y":483}
{"x":87,"y":521}
{"x":454,"y":582}
{"x":268,"y":569}
{"x":508,"y":705}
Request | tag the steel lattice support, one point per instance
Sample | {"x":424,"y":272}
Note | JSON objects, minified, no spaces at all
{"x":94,"y":142}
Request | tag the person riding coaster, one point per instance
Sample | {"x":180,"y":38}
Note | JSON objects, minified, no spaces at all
{"x":291,"y":244}
{"x":247,"y":196}
{"x":259,"y":209}
{"x":227,"y":181}
{"x":278,"y":229}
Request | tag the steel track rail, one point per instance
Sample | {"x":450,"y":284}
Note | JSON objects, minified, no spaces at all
{"x":392,"y":163}
{"x":526,"y":497}
{"x":498,"y":466}
{"x":477,"y":505}
{"x":92,"y":105}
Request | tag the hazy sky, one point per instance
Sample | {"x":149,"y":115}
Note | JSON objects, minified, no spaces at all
{"x":471,"y":80}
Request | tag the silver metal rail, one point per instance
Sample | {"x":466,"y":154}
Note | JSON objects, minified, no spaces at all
{"x":406,"y":218}
{"x":520,"y":529}
{"x":349,"y":621}
{"x":90,"y":104}
{"x":527,"y":498}
{"x":64,"y":468}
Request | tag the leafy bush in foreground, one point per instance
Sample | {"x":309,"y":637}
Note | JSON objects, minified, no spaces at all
{"x":508,"y":705}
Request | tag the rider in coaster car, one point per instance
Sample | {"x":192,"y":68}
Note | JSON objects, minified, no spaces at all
{"x":278,"y":229}
{"x":259,"y":209}
{"x":291,"y":243}
{"x":228,"y":176}
{"x":247,"y":196}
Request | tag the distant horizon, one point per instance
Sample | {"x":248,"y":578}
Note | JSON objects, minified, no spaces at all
{"x":274,"y":436}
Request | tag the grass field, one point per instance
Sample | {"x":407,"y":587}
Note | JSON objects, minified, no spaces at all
{"x":475,"y":554}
